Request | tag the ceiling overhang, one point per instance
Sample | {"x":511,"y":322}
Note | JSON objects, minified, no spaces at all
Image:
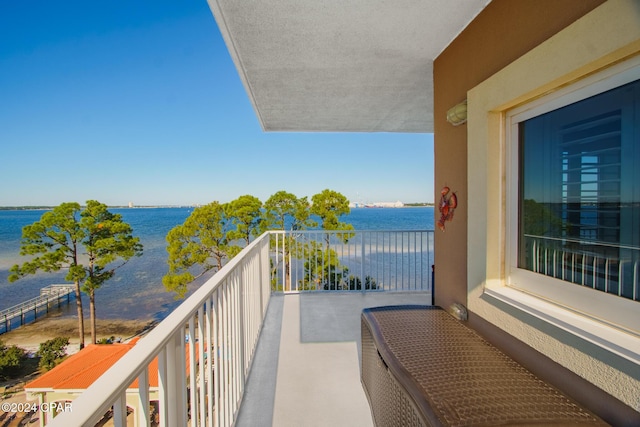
{"x":341,"y":65}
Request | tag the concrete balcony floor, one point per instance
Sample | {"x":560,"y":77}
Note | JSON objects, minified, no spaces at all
{"x":306,"y":370}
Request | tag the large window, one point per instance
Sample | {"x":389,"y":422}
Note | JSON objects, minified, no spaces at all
{"x":574,"y":196}
{"x":579,"y":185}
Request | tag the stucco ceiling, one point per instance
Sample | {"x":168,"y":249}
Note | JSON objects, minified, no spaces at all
{"x":341,"y":65}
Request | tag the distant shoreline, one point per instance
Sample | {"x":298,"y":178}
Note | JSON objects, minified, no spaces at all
{"x":45,"y":208}
{"x":30,"y":336}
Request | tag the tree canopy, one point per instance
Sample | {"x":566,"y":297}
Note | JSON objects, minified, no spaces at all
{"x":330,"y":205}
{"x":109,"y":245}
{"x":90,"y":243}
{"x":215,"y":233}
{"x":11,"y":360}
{"x":286,"y":211}
{"x":52,"y":352}
{"x":246,"y":215}
{"x":197,"y":246}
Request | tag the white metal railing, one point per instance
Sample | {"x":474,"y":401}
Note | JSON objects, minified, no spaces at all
{"x":352,"y":260}
{"x":50,"y":296}
{"x":613,"y":269}
{"x":49,"y":292}
{"x":225,"y":316}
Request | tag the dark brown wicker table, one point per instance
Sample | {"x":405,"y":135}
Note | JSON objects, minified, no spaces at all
{"x":422,"y":367}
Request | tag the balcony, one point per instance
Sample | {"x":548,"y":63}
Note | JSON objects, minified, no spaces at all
{"x":275,"y":336}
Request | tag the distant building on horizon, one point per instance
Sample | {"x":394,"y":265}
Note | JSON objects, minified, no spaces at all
{"x":397,"y":204}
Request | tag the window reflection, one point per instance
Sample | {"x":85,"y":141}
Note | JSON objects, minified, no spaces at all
{"x":579,"y":208}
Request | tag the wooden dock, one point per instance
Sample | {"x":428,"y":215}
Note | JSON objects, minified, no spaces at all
{"x":53,"y":296}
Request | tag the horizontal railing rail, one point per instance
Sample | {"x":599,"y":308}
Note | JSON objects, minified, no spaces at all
{"x":366,"y":260}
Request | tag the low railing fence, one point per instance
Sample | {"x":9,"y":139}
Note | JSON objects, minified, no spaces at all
{"x":614,"y":269}
{"x":376,"y":260}
{"x":204,"y":350}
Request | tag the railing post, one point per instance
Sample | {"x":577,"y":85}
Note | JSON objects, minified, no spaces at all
{"x":163,"y":386}
{"x":181,"y":377}
{"x":265,"y":279}
{"x":261,"y":277}
{"x":120,"y":411}
{"x":172,"y":384}
{"x":286,"y":285}
{"x":433,"y":284}
{"x":176,"y":381}
{"x":202,"y":364}
{"x":223,"y":339}
{"x":192,"y":373}
{"x":636,"y":294}
{"x":215,"y":359}
{"x":143,"y":398}
{"x":362,"y":250}
{"x":289,"y":275}
{"x":234,"y":334}
{"x":212,"y":392}
{"x":244,"y":280}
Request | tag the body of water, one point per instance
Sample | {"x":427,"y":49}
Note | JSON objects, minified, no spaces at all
{"x":136,"y":290}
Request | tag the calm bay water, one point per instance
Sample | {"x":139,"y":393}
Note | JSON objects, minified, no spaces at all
{"x":136,"y":291}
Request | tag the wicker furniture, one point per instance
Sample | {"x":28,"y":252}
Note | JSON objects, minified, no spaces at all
{"x":422,"y":367}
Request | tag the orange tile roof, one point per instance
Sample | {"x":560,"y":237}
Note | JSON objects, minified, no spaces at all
{"x":80,"y":370}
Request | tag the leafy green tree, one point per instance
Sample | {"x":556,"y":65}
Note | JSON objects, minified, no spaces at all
{"x":246,"y":215}
{"x":286,"y":211}
{"x":540,"y":220}
{"x":197,"y":246}
{"x":90,"y":244}
{"x":210,"y":236}
{"x":322,"y":268}
{"x":54,"y":243}
{"x":52,"y":351}
{"x":355,"y":283}
{"x":109,"y":245}
{"x":11,"y":360}
{"x":330,"y":205}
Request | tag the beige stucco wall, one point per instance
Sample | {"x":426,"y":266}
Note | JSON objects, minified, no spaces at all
{"x":607,"y":35}
{"x":500,"y":34}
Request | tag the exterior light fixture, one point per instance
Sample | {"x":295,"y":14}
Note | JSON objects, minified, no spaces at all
{"x":459,"y":311}
{"x":457,"y":115}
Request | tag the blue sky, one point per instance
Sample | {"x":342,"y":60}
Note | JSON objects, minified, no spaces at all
{"x":139,"y":101}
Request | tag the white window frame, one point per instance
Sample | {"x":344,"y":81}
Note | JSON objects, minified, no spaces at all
{"x":563,"y":303}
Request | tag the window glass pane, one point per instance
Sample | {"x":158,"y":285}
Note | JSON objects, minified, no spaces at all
{"x":579,"y":204}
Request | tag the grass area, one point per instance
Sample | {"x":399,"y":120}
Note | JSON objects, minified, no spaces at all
{"x":29,"y":370}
